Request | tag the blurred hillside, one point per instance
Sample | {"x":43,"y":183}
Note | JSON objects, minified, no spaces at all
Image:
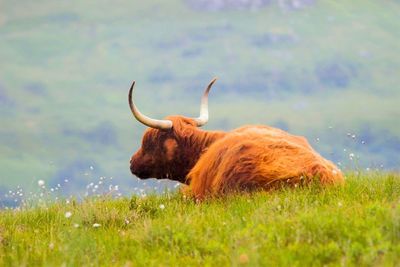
{"x":324,"y":69}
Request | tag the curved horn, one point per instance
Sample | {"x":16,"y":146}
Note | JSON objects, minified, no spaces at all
{"x":158,"y":124}
{"x":203,"y":118}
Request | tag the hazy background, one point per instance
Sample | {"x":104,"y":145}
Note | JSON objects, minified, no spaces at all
{"x":328,"y":70}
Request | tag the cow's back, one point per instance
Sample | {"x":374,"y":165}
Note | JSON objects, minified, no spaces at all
{"x":258,"y":157}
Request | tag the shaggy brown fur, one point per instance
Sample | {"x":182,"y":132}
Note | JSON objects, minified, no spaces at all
{"x":214,"y":162}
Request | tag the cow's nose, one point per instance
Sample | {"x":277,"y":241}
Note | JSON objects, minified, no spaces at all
{"x":133,"y":169}
{"x":139,"y":172}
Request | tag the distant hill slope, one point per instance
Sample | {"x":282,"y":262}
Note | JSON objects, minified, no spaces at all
{"x":327,"y":70}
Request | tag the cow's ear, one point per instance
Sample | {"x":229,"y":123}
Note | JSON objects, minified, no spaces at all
{"x":170,"y":146}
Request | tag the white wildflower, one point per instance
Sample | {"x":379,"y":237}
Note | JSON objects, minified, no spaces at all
{"x":162,"y":206}
{"x":96,"y":225}
{"x":68,"y":214}
{"x":41,"y":183}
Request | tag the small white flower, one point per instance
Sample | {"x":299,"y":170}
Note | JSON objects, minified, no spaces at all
{"x":68,"y":214}
{"x":40,"y":183}
{"x":76,"y":225}
{"x":162,"y":206}
{"x":340,"y":204}
{"x":96,"y":225}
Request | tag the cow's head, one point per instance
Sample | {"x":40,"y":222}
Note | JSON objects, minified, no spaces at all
{"x":170,"y":147}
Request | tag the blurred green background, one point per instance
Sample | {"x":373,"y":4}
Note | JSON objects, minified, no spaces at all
{"x":328,"y":70}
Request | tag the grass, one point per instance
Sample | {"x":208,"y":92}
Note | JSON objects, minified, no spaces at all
{"x":358,"y":224}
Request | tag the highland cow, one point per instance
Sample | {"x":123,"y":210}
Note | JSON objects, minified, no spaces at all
{"x":215,"y":162}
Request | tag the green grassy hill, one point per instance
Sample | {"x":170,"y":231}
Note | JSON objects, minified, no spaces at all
{"x":327,"y":70}
{"x":354,"y":225}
